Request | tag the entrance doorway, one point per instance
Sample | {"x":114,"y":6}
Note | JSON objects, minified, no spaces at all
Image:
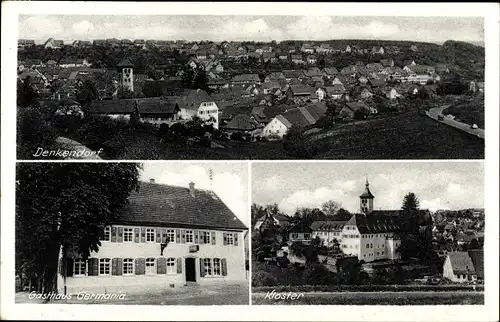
{"x":190,"y":270}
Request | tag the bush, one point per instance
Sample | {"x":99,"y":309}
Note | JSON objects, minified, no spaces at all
{"x":236,"y":136}
{"x":33,"y":131}
{"x":263,"y":279}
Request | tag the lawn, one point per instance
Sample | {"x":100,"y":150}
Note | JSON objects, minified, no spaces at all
{"x":377,"y":298}
{"x":404,"y":136}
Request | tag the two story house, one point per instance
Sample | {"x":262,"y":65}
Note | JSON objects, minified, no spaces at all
{"x":165,"y":237}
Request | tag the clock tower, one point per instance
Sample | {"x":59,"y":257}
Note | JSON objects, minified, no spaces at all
{"x":126,"y":70}
{"x":366,"y":199}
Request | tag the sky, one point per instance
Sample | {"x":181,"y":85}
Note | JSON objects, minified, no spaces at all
{"x":438,"y":185}
{"x":256,"y":28}
{"x":230,"y":181}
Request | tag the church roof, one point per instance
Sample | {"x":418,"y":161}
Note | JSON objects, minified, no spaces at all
{"x":336,"y":225}
{"x":374,"y":223}
{"x":367,"y":193}
{"x":125,"y":62}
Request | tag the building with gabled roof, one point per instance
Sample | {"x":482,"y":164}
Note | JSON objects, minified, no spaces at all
{"x":330,"y":232}
{"x":458,"y":267}
{"x":165,"y":235}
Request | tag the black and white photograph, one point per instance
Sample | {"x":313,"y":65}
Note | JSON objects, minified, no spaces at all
{"x":368,"y":233}
{"x":249,"y":161}
{"x":125,"y":87}
{"x":125,"y":233}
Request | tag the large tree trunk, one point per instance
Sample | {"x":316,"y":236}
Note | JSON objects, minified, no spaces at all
{"x":52,"y":261}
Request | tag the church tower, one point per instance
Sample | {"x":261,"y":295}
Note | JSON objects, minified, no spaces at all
{"x":126,"y":70}
{"x":366,"y":199}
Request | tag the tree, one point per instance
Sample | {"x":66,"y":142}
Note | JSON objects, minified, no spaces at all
{"x":65,"y":206}
{"x":330,"y":207}
{"x":26,"y":93}
{"x":410,"y":202}
{"x":87,"y":92}
{"x":125,"y":92}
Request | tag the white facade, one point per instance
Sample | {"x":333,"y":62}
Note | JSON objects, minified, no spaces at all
{"x":205,"y":111}
{"x":128,"y":78}
{"x":328,"y":237}
{"x":450,"y":274}
{"x":369,"y":247}
{"x":133,"y":263}
{"x":275,"y":128}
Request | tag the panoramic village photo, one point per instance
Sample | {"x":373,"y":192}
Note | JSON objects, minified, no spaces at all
{"x":250,"y":87}
{"x":367,"y":233}
{"x":126,"y":233}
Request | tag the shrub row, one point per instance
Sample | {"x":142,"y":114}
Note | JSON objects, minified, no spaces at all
{"x":366,"y":288}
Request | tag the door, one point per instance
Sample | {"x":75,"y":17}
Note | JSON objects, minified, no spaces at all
{"x":190,"y":270}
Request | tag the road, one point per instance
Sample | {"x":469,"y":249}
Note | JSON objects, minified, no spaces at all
{"x":435,"y":111}
{"x":81,"y":152}
{"x":230,"y":294}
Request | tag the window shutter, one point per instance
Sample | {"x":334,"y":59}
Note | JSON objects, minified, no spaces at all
{"x":202,"y":268}
{"x":161,"y":265}
{"x":119,"y":238}
{"x":178,"y":236}
{"x":214,"y":237}
{"x":183,"y":236}
{"x":179,"y":265}
{"x":225,"y":239}
{"x":61,"y":266}
{"x":164,"y":235}
{"x":158,"y":235}
{"x":114,"y":266}
{"x":140,"y":266}
{"x":136,"y":232}
{"x":224,"y":267}
{"x":143,"y":235}
{"x":113,"y":234}
{"x":235,"y":239}
{"x":93,"y":266}
{"x":119,"y":266}
{"x":69,"y":267}
{"x":195,"y":236}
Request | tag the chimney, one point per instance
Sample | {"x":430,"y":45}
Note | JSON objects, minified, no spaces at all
{"x":191,"y":189}
{"x":152,"y":180}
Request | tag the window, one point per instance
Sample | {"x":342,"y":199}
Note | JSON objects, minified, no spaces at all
{"x":205,"y":237}
{"x":104,"y":266}
{"x":128,"y":266}
{"x":128,"y":235}
{"x":217,"y":267}
{"x":306,"y":236}
{"x":189,"y":236}
{"x":150,"y":266}
{"x":107,"y":234}
{"x":367,"y":245}
{"x":171,"y":235}
{"x":207,"y":263}
{"x":229,"y":239}
{"x":171,"y":265}
{"x":371,"y":245}
{"x":150,"y":235}
{"x":295,"y":236}
{"x":79,"y":267}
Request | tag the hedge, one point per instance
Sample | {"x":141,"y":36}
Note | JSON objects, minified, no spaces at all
{"x":366,"y":288}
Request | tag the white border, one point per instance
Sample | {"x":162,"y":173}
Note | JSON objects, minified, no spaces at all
{"x":488,"y":312}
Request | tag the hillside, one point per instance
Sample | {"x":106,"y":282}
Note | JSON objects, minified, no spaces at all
{"x":405,"y":136}
{"x":470,"y":112}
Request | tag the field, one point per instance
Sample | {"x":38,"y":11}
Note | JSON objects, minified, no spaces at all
{"x":469,"y":112}
{"x":404,"y":136}
{"x":377,"y":298}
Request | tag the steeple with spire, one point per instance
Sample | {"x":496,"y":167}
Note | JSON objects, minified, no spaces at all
{"x":366,"y":199}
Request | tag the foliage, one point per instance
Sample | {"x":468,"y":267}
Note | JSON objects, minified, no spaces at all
{"x":27,"y":95}
{"x":33,"y":131}
{"x":87,"y":92}
{"x":330,"y":207}
{"x":65,"y":205}
{"x":295,"y":143}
